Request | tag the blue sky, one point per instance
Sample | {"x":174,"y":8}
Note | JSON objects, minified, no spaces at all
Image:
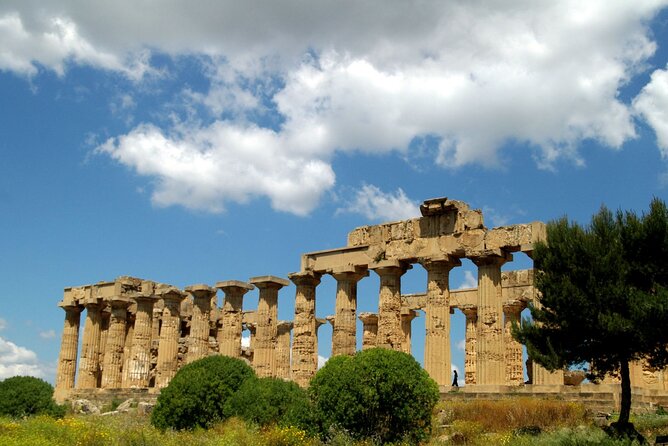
{"x":192,"y":144}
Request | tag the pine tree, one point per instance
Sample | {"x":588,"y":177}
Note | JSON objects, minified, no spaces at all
{"x":603,"y":296}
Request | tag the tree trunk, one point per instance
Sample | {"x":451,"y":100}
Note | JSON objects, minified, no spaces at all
{"x":625,"y":409}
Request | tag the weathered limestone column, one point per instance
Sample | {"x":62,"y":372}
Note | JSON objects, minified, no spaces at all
{"x":389,"y":304}
{"x":69,"y":345}
{"x":112,"y":377}
{"x":283,"y":350}
{"x":437,"y":356}
{"x":513,"y":354}
{"x":127,"y":347}
{"x":169,"y":336}
{"x":155,"y":321}
{"x":229,"y":341}
{"x":470,"y":342}
{"x":344,"y":333}
{"x":139,"y":367}
{"x":490,"y":368}
{"x":540,"y":375}
{"x":199,"y":326}
{"x":89,"y":366}
{"x":406,"y":329}
{"x":264,"y":349}
{"x":105,"y":317}
{"x":304,"y":332}
{"x":370,"y":330}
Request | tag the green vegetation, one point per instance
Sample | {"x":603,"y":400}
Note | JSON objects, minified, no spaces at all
{"x":266,"y":401}
{"x":604,"y":296}
{"x":197,"y":394}
{"x":21,"y":396}
{"x":376,"y":394}
{"x":455,"y":423}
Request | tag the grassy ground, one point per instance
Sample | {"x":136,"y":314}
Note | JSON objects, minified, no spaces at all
{"x":517,"y":422}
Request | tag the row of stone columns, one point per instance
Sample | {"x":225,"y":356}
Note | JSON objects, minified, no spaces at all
{"x":492,"y":356}
{"x":120,"y":355}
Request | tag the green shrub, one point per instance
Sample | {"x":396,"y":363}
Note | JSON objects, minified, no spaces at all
{"x":377,"y":393}
{"x":196,"y":395}
{"x":21,"y":396}
{"x":266,"y":401}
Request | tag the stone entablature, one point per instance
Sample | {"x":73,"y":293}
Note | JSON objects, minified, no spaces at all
{"x":138,"y":333}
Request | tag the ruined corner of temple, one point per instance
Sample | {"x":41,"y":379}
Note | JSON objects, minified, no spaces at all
{"x":138,"y":333}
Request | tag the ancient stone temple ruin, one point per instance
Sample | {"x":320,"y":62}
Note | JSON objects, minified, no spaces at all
{"x":138,"y":333}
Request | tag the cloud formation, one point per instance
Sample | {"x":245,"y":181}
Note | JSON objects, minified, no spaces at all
{"x":652,"y":104}
{"x":16,"y":360}
{"x":375,"y":204}
{"x":293,"y":84}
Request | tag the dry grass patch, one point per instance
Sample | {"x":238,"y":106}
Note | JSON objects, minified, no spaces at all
{"x":512,"y":414}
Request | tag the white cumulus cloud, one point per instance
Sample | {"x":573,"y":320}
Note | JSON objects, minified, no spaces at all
{"x":470,"y":281}
{"x":321,"y":361}
{"x":47,"y":334}
{"x":295,"y":83}
{"x":205,"y":167}
{"x":652,"y":104}
{"x":17,"y":360}
{"x":375,"y":204}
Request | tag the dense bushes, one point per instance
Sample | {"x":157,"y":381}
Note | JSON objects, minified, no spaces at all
{"x":378,"y":393}
{"x":198,"y":392}
{"x":21,"y":396}
{"x":267,"y":401}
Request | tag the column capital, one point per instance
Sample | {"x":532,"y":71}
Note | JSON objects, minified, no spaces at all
{"x":268,"y":282}
{"x":390,"y":267}
{"x":349,"y":272}
{"x":439,"y":261}
{"x":232,"y":286}
{"x":171,"y":293}
{"x":284,"y":325}
{"x":490,"y":257}
{"x":408,"y":315}
{"x":307,"y":278}
{"x":368,"y":318}
{"x":513,"y":306}
{"x":469,"y":310}
{"x":71,"y":306}
{"x":200,"y":290}
{"x":119,"y":302}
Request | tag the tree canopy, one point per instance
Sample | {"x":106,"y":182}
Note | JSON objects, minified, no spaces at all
{"x":603,"y":295}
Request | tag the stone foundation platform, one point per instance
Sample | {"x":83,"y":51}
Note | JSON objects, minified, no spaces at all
{"x":595,"y":397}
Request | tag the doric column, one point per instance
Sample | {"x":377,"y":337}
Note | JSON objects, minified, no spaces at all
{"x":437,"y":358}
{"x":264,"y":349}
{"x":539,"y":374}
{"x":170,"y":332}
{"x":283,"y":350}
{"x":344,"y":333}
{"x":69,"y":345}
{"x":229,"y":341}
{"x":513,"y":355}
{"x":304,"y":333}
{"x":199,"y":326}
{"x":470,"y":342}
{"x":139,"y":367}
{"x":89,"y":366}
{"x":370,"y":329}
{"x":112,"y":377}
{"x":406,"y":329}
{"x":490,"y":367}
{"x":127,"y":347}
{"x":389,"y":303}
{"x":156,"y":318}
{"x":105,"y":318}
